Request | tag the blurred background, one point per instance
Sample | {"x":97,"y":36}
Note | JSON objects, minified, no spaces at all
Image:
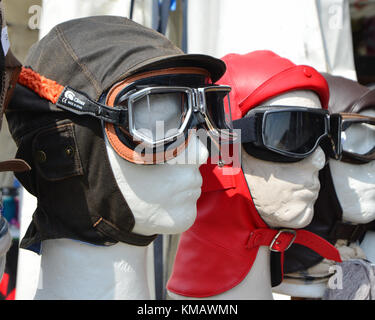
{"x":334,"y":36}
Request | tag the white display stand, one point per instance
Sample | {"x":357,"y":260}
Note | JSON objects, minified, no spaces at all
{"x":312,"y":32}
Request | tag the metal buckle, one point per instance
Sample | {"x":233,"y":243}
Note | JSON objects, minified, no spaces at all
{"x":278,"y":234}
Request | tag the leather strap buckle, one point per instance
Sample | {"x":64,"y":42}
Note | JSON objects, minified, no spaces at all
{"x":277,"y":242}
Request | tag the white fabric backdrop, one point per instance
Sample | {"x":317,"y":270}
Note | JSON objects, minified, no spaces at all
{"x":311,"y":32}
{"x":55,"y":12}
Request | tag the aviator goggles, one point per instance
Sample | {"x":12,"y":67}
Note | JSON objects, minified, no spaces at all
{"x":147,"y":117}
{"x":357,"y":138}
{"x":289,"y":134}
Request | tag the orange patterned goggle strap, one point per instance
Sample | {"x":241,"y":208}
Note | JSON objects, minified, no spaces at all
{"x":45,"y":88}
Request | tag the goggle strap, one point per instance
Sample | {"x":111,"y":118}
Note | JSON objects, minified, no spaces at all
{"x":67,"y":98}
{"x":353,"y":158}
{"x":46,"y":88}
{"x":79,"y":103}
{"x":248,"y":129}
{"x":365,"y":101}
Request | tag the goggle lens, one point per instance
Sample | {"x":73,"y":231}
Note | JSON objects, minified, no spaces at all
{"x":160,"y":116}
{"x":296,"y":132}
{"x":218,"y":108}
{"x":358,"y":138}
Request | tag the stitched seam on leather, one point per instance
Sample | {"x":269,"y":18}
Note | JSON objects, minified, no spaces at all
{"x":75,"y":58}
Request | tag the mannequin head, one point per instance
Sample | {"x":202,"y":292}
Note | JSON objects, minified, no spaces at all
{"x":232,"y":210}
{"x":83,"y":142}
{"x":346,"y":202}
{"x":161,"y":195}
{"x":354,"y":183}
{"x":284,"y":193}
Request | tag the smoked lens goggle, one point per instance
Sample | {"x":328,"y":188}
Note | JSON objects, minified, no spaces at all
{"x":288,"y":134}
{"x":357,"y":138}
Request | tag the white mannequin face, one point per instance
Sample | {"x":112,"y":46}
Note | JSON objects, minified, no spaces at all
{"x":355,"y":184}
{"x":284,"y":193}
{"x":161,"y":197}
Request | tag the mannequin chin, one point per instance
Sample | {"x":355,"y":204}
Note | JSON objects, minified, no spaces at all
{"x":284,"y":193}
{"x":293,"y":187}
{"x":162,"y":197}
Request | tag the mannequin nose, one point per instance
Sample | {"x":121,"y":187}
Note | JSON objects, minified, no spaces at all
{"x":197,"y":150}
{"x":317,"y":159}
{"x":195,"y":153}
